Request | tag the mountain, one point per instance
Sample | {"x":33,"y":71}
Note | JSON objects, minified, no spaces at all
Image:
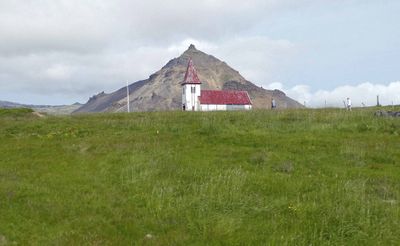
{"x":6,"y":104}
{"x":162,"y":90}
{"x":48,"y":109}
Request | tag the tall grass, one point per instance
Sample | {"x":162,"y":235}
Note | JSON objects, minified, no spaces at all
{"x":295,"y":177}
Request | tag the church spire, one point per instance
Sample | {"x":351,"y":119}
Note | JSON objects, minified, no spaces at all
{"x":191,"y":76}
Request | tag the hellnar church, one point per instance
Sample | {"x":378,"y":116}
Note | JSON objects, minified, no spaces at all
{"x":195,"y":99}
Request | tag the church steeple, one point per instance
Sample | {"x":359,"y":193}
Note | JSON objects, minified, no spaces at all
{"x":191,"y":76}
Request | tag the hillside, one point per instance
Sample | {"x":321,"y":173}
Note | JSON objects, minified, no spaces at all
{"x":292,"y":177}
{"x":48,"y":109}
{"x":162,"y":90}
{"x":6,"y":104}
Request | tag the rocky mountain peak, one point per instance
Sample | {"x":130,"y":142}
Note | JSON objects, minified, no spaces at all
{"x":192,"y":47}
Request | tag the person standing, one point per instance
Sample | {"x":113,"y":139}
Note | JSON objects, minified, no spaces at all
{"x":348,"y":104}
{"x":273,"y":104}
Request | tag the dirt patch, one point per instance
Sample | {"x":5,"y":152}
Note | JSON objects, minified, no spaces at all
{"x":3,"y":240}
{"x":38,"y":114}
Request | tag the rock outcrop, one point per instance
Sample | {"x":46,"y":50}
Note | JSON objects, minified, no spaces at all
{"x":383,"y":113}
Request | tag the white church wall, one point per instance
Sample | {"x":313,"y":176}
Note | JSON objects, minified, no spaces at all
{"x":221,"y":107}
{"x":236,"y":107}
{"x":215,"y":107}
{"x":212,"y":107}
{"x":189,"y":99}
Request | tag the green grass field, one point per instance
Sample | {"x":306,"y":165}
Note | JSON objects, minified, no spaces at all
{"x":301,"y":177}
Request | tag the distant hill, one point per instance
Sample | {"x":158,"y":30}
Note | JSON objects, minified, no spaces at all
{"x":162,"y":90}
{"x":49,"y":109}
{"x":6,"y":104}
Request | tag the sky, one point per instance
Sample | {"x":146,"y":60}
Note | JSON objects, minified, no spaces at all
{"x":318,"y":52}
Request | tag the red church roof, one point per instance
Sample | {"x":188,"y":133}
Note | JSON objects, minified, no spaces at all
{"x":225,"y":97}
{"x":191,"y":75}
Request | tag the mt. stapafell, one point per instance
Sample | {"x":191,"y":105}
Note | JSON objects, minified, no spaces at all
{"x":162,"y":90}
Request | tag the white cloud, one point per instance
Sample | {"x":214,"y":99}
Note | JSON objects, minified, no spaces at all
{"x":258,"y":58}
{"x":361,"y":94}
{"x":275,"y":86}
{"x":58,"y":72}
{"x":29,"y":26}
{"x":211,"y":19}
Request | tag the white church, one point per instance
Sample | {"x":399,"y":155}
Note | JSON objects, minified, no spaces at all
{"x":195,"y":99}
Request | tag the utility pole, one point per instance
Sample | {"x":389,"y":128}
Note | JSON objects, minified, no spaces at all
{"x":127,"y":96}
{"x":377,"y":101}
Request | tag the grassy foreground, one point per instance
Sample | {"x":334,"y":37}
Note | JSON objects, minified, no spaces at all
{"x":304,"y":177}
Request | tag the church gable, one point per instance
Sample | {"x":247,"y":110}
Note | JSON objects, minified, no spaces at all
{"x":191,"y":76}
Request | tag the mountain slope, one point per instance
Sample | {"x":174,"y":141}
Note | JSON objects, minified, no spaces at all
{"x":162,"y":90}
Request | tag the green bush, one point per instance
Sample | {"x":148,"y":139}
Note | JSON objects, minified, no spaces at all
{"x":15,"y":111}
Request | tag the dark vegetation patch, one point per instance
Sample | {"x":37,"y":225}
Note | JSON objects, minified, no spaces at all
{"x":15,"y":112}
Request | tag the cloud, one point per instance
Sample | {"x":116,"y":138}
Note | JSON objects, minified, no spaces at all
{"x":45,"y":26}
{"x":74,"y":74}
{"x":361,"y":94}
{"x":29,"y":26}
{"x":258,"y":58}
{"x":210,"y":19}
